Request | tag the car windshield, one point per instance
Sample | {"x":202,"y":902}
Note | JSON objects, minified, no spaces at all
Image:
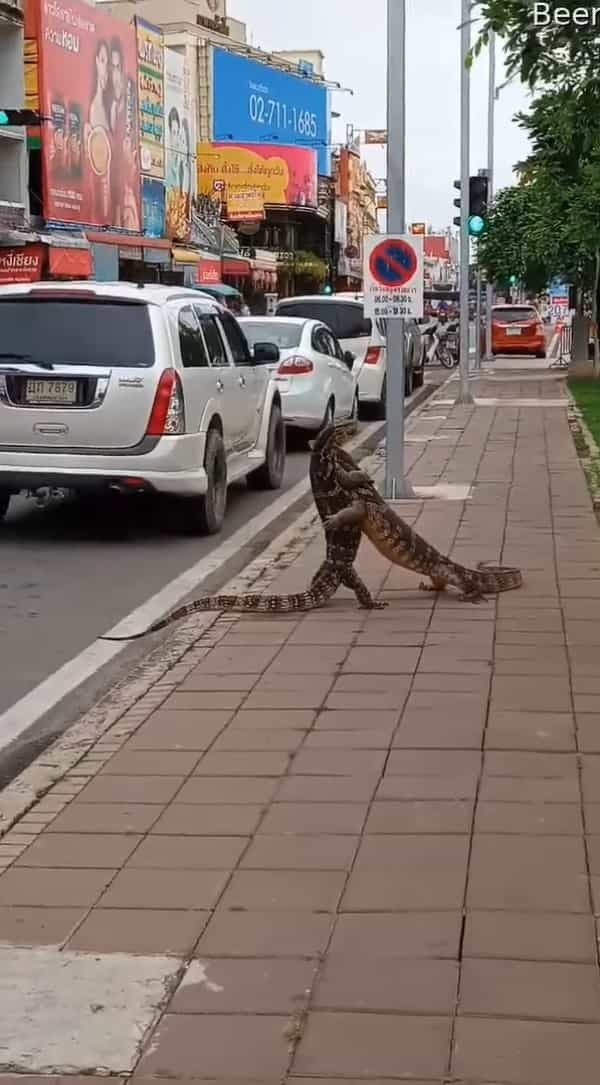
{"x":77,"y":332}
{"x":285,"y":336}
{"x":516,"y":315}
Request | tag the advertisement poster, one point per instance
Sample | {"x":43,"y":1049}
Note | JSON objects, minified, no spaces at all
{"x":255,"y":103}
{"x":88,"y":77}
{"x":179,"y":149}
{"x":245,"y":205}
{"x":282,"y":175}
{"x":151,"y":94}
{"x":153,"y":207}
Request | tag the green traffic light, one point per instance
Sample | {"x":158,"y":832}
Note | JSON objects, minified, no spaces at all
{"x":328,"y":289}
{"x":3,"y":117}
{"x":476,"y":225}
{"x":513,"y":280}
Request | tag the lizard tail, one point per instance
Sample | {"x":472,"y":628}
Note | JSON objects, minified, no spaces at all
{"x":274,"y":604}
{"x":486,"y":579}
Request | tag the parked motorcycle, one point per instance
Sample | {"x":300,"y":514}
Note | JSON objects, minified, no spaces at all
{"x":441,"y":344}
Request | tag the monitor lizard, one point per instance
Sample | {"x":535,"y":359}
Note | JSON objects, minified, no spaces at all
{"x":341,"y":548}
{"x":396,"y":540}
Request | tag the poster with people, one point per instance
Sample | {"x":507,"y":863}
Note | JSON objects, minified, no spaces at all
{"x":90,"y":142}
{"x":179,"y":148}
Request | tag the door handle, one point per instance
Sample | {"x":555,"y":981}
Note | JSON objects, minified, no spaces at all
{"x":220,"y":386}
{"x":242,"y":381}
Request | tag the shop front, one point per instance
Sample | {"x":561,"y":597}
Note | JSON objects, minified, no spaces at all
{"x":128,"y":258}
{"x":44,"y":257}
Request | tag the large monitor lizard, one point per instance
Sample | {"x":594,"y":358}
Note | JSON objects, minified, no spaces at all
{"x":341,"y":549}
{"x":396,"y":540}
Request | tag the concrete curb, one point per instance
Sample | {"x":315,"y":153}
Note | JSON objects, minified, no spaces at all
{"x":591,"y":463}
{"x":109,"y":723}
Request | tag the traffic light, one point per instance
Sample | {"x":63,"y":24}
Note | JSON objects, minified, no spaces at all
{"x":478,"y":197}
{"x":19,"y":118}
{"x":327,"y":289}
{"x":457,"y":219}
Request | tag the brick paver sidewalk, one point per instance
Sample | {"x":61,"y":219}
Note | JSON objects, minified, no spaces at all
{"x":373,"y":834}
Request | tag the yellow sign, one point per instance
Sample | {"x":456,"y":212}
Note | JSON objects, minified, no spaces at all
{"x":245,"y":205}
{"x":418,"y":228}
{"x":277,"y":175}
{"x":32,"y":95}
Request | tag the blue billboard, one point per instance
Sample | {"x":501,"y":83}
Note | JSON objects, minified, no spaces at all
{"x":254,"y":103}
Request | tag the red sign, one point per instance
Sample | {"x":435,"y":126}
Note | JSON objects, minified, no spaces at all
{"x":393,"y":263}
{"x":209,"y":272}
{"x":22,"y":265}
{"x":88,"y":81}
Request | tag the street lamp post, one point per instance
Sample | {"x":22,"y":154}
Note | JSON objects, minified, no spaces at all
{"x":489,"y":294}
{"x":396,"y":485}
{"x":464,"y":396}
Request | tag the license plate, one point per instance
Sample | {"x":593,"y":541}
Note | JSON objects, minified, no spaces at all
{"x":513,"y":331}
{"x":59,"y":393}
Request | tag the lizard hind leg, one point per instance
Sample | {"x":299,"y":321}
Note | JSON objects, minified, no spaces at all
{"x":438,"y":584}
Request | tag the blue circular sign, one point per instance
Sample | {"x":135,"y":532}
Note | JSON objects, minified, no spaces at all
{"x":393,"y":263}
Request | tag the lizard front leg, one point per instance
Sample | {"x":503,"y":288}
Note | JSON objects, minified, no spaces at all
{"x":352,"y":480}
{"x":350,"y":516}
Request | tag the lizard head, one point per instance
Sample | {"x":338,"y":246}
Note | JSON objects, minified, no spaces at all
{"x":332,"y":434}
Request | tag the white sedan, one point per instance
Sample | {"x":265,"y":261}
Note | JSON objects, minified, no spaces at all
{"x":315,"y":377}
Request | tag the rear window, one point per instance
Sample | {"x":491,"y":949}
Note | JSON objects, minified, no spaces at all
{"x":346,"y":319}
{"x":76,"y":333}
{"x":515,"y":315}
{"x":285,"y":336}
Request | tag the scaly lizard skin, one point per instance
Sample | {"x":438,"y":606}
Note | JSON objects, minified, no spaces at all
{"x":395,"y":540}
{"x":330,"y":484}
{"x":342,"y":546}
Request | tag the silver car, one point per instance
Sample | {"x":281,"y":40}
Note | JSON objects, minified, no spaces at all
{"x":134,"y":389}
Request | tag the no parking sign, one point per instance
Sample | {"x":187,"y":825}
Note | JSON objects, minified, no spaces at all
{"x":393,"y":276}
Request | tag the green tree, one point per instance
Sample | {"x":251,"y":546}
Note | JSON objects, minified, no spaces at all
{"x":541,"y":55}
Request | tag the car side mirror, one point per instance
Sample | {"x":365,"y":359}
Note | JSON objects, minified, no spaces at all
{"x":265,"y":353}
{"x":349,"y":358}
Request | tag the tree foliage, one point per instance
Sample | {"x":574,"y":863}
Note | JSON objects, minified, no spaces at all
{"x":541,"y":55}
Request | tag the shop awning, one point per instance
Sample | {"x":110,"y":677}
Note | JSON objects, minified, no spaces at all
{"x":127,"y":241}
{"x":70,"y":263}
{"x":236,"y":266}
{"x":186,"y":256}
{"x":218,"y":290}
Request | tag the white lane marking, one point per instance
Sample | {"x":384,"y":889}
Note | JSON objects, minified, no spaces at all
{"x":24,"y":713}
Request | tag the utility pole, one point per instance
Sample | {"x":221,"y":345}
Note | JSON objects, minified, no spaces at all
{"x":464,"y":396}
{"x":396,"y":485}
{"x":489,"y":293}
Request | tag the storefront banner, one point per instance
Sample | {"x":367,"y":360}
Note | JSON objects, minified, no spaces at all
{"x":209,"y":272}
{"x":151,"y":96}
{"x":283,"y":175}
{"x":179,"y":150}
{"x":153,"y":207}
{"x":90,"y":141}
{"x":22,"y":265}
{"x":245,"y":205}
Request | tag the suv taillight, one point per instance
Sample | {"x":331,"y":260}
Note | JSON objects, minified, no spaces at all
{"x":293,"y":367}
{"x":167,"y":418}
{"x":373,"y":355}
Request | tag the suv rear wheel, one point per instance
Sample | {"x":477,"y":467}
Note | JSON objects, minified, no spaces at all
{"x":270,"y":475}
{"x":204,"y":515}
{"x":380,"y":406}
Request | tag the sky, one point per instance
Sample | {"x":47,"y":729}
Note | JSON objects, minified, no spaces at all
{"x":352,"y":36}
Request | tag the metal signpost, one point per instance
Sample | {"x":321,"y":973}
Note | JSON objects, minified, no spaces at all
{"x":396,"y":485}
{"x":489,"y":294}
{"x":464,"y":395}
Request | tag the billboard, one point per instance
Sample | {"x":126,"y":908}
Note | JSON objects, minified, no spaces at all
{"x":90,"y":148}
{"x":179,"y":149}
{"x":282,"y":175}
{"x":153,"y":207}
{"x":254,"y":103}
{"x":151,"y":96}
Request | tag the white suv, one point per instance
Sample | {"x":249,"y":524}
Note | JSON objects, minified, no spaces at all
{"x":366,"y":339}
{"x":149,"y":389}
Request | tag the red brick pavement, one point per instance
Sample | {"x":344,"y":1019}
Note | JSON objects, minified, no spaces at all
{"x":377,"y":834}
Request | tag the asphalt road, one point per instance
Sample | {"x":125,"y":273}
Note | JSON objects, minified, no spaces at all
{"x":70,"y":572}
